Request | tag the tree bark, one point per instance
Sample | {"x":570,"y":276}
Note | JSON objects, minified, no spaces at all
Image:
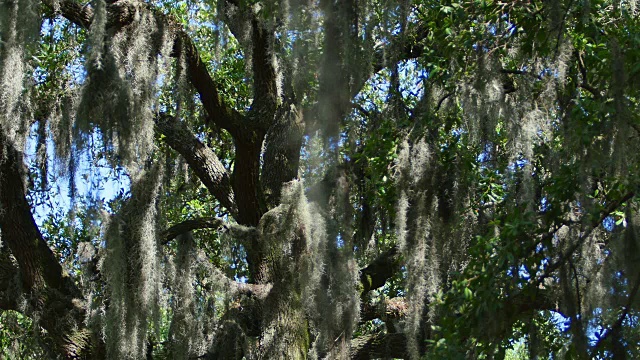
{"x":49,"y":291}
{"x":202,"y":160}
{"x":380,"y":346}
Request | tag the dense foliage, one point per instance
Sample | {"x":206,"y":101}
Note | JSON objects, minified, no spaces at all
{"x":359,"y":179}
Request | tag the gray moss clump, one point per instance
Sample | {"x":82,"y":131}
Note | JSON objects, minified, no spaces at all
{"x":314,"y":281}
{"x":19,"y":26}
{"x":434,"y":231}
{"x":130,"y":268}
{"x":181,"y":332}
{"x":124,"y":72}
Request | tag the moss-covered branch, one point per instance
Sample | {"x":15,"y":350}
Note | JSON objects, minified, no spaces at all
{"x":190,"y":225}
{"x":385,"y":346}
{"x":121,"y":13}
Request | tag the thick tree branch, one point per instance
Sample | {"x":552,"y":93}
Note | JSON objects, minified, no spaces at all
{"x":190,"y":225}
{"x":246,"y":181}
{"x":376,"y":274}
{"x":265,"y":87}
{"x":379,"y":346}
{"x":281,"y":123}
{"x":257,"y":291}
{"x":75,"y":12}
{"x":19,"y":230}
{"x":200,"y":158}
{"x":282,"y":152}
{"x":238,"y":231}
{"x":258,"y":41}
{"x":49,"y":290}
{"x":240,"y":193}
{"x":224,"y":116}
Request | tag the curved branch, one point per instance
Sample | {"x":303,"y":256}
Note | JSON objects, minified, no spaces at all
{"x":442,"y":99}
{"x":257,"y":40}
{"x":255,"y":291}
{"x":240,"y":232}
{"x":78,"y":14}
{"x":224,"y":116}
{"x":50,"y":291}
{"x":200,"y":158}
{"x":190,"y":225}
{"x":38,"y":265}
{"x":376,"y":274}
{"x":596,"y":94}
{"x":585,"y":82}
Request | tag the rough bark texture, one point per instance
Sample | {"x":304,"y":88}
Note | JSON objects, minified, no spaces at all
{"x":49,"y":291}
{"x":379,"y":346}
{"x":282,"y":152}
{"x":202,"y":160}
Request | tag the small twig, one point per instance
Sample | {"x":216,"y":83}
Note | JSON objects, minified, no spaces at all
{"x":618,"y":324}
{"x":577,"y":284}
{"x":442,"y":100}
{"x":335,"y":342}
{"x":567,"y":254}
{"x":585,"y":83}
{"x":581,"y":66}
{"x":364,"y":111}
{"x":520,"y":72}
{"x":591,"y":89}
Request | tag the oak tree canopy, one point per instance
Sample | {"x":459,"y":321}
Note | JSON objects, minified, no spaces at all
{"x":328,"y":179}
